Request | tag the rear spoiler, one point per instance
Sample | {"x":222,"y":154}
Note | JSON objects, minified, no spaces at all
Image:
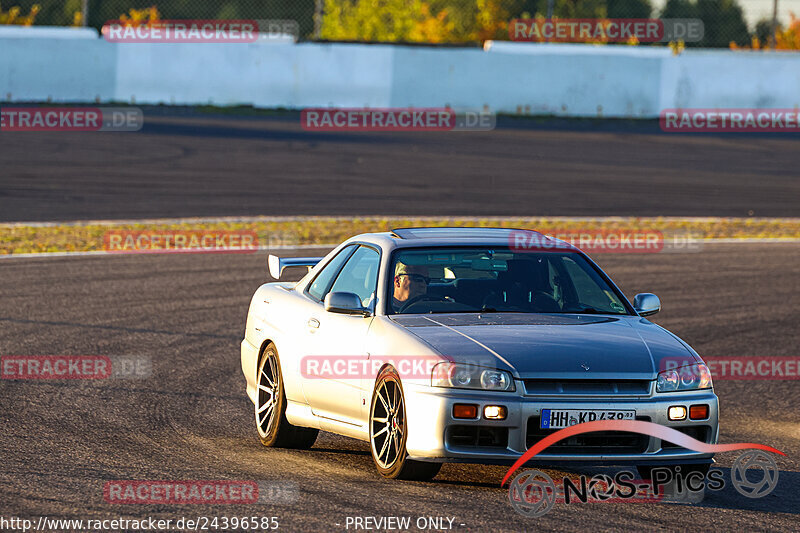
{"x":278,"y":264}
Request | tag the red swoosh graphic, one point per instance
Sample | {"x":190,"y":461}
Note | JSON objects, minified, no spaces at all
{"x":635,"y":426}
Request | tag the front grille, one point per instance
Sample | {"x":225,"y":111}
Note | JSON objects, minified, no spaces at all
{"x":587,"y":387}
{"x":594,"y":443}
{"x":477,"y":437}
{"x":700,"y":433}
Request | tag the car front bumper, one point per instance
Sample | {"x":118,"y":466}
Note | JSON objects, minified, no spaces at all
{"x":431,"y":427}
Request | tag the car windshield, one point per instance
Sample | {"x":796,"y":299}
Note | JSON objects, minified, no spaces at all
{"x":497,"y":279}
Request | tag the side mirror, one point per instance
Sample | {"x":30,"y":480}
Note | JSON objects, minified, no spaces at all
{"x":646,"y":304}
{"x":346,"y":303}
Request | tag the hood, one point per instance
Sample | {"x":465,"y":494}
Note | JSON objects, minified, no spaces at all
{"x":552,"y":346}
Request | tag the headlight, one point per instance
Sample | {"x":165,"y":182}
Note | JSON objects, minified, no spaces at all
{"x":692,"y":377}
{"x":461,"y":376}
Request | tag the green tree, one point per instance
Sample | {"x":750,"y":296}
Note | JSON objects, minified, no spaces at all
{"x":432,"y":21}
{"x":763,"y":30}
{"x":629,"y":9}
{"x":573,"y":9}
{"x":679,"y":9}
{"x":723,"y":20}
{"x":376,"y":20}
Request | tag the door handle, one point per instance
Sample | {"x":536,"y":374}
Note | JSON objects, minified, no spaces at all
{"x":313,"y":323}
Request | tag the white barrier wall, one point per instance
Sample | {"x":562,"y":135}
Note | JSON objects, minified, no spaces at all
{"x":260,"y":74}
{"x":733,"y":79}
{"x":69,"y":65}
{"x":62,"y":64}
{"x":572,"y":80}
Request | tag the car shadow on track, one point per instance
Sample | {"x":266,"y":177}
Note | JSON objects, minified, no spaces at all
{"x":452,"y":474}
{"x":345,"y":452}
{"x":458,"y":483}
{"x":784,"y":498}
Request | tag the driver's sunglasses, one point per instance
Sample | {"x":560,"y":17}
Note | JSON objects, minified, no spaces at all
{"x":417,"y":277}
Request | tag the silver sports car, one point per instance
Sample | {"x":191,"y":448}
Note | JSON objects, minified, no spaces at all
{"x":468,"y":345}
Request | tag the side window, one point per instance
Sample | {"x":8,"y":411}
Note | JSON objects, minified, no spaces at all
{"x":360,"y":275}
{"x":323,"y":280}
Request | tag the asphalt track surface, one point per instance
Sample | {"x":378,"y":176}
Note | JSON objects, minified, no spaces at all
{"x":189,"y":164}
{"x":62,"y":440}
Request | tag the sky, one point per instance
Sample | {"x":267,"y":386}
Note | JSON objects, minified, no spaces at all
{"x":755,"y":10}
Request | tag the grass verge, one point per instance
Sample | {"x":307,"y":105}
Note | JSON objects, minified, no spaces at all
{"x":89,"y":236}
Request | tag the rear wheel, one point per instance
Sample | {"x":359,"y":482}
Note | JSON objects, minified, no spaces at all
{"x":388,"y":432}
{"x":270,"y":408}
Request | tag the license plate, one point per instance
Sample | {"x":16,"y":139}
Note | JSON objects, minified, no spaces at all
{"x":564,"y":418}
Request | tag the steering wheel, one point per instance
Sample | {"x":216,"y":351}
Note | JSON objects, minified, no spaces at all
{"x":545,"y":303}
{"x":423,"y":298}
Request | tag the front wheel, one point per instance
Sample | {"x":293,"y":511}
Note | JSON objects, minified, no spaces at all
{"x":273,"y":428}
{"x":388,"y":432}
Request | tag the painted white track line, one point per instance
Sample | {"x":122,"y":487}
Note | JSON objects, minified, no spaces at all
{"x":261,"y":249}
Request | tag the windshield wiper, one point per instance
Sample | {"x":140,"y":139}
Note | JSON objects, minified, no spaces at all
{"x":483,"y":310}
{"x":589,"y":311}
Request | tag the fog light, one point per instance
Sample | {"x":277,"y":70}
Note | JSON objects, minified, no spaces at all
{"x":676,"y":412}
{"x":698,"y":412}
{"x":461,"y":410}
{"x":495,"y":412}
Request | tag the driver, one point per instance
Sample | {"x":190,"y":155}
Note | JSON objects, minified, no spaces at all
{"x":410,"y":281}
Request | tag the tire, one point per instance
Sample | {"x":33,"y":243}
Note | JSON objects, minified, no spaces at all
{"x":388,"y":432}
{"x":270,"y":407}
